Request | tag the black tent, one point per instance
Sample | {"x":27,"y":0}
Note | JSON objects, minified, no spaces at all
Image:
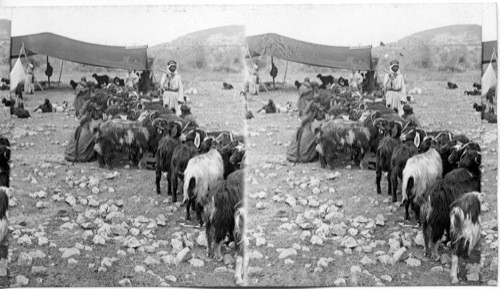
{"x":81,"y":52}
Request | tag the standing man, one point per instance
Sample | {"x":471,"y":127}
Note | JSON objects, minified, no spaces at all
{"x":173,"y":91}
{"x":395,"y":87}
{"x":29,"y":86}
{"x":355,"y":81}
{"x":48,"y":71}
{"x":131,"y":80}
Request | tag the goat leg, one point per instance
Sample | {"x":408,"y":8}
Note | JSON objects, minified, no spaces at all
{"x":454,"y":269}
{"x":238,"y":270}
{"x":172,"y":185}
{"x":378,"y":179}
{"x":210,"y":251}
{"x":158,"y":179}
{"x":393,"y":180}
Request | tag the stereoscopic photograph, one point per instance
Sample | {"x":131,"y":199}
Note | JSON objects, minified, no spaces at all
{"x":341,"y":145}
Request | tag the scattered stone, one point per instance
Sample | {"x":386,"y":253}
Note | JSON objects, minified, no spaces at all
{"x":259,"y":241}
{"x":492,"y":283}
{"x":255,"y":255}
{"x":196,"y":262}
{"x":132,"y":243}
{"x":202,"y":239}
{"x":337,"y":230}
{"x":182,"y":256}
{"x":437,"y":269}
{"x":124,"y":282}
{"x":366,"y":260}
{"x":287,"y":253}
{"x":398,"y":254}
{"x":221,"y":269}
{"x":340,"y":282}
{"x":22,"y":280}
{"x":24,"y":259}
{"x":70,"y":252}
{"x":151,"y":261}
{"x":98,"y":239}
{"x":228,"y":259}
{"x":385,"y":259}
{"x":413,"y":262}
{"x":38,"y":270}
{"x":473,"y":277}
{"x":291,"y":201}
{"x":349,"y":242}
{"x":289,"y":262}
{"x":445,"y":258}
{"x":352,"y":231}
{"x":419,"y":239}
{"x":386,"y":278}
{"x":72,"y":261}
{"x":37,"y":254}
{"x":71,"y":200}
{"x":139,"y":269}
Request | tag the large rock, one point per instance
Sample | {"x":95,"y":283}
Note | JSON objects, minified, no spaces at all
{"x":22,"y":280}
{"x":132,"y":243}
{"x":202,"y":239}
{"x":39,"y":270}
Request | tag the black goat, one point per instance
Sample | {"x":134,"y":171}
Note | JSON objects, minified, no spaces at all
{"x":45,"y":107}
{"x":472,"y":92}
{"x":73,"y":84}
{"x":343,"y":81}
{"x":452,"y":85}
{"x":436,"y":202}
{"x":298,"y":84}
{"x":8,"y":103}
{"x":227,"y":86}
{"x":383,"y":162}
{"x":270,"y":107}
{"x":476,"y":86}
{"x":465,"y":228}
{"x":223,"y":215}
{"x":4,"y":162}
{"x":166,"y":147}
{"x":325,"y":80}
{"x":102,"y":80}
{"x":119,"y":81}
{"x":19,"y":111}
{"x":479,"y":107}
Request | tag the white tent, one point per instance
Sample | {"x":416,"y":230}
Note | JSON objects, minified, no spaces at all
{"x":17,"y":74}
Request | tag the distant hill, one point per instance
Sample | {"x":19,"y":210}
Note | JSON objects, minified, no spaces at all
{"x":215,"y":49}
{"x":454,"y":48}
{"x":5,"y":29}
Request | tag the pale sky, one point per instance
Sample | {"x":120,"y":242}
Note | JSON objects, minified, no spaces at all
{"x":339,"y":24}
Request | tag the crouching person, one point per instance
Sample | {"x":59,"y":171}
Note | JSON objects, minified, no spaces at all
{"x":81,"y":144}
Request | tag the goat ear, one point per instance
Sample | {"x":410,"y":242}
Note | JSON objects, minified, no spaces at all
{"x":173,"y":132}
{"x":417,"y":140}
{"x":394,"y":131}
{"x":197,"y":140}
{"x":477,"y":159}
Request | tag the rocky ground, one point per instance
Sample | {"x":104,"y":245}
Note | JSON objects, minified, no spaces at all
{"x":316,"y":227}
{"x":80,"y":225}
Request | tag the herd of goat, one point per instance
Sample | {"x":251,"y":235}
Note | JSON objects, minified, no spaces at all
{"x":210,"y":164}
{"x":440,"y":171}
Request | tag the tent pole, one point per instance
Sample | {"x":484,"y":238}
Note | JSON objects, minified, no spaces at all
{"x":284,"y":77}
{"x":48,"y":77}
{"x":60,"y":72}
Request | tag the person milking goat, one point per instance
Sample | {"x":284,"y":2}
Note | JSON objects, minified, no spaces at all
{"x":173,"y":91}
{"x":395,"y":87}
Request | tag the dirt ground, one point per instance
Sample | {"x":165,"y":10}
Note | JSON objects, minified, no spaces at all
{"x":47,"y":246}
{"x":295,"y":209}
